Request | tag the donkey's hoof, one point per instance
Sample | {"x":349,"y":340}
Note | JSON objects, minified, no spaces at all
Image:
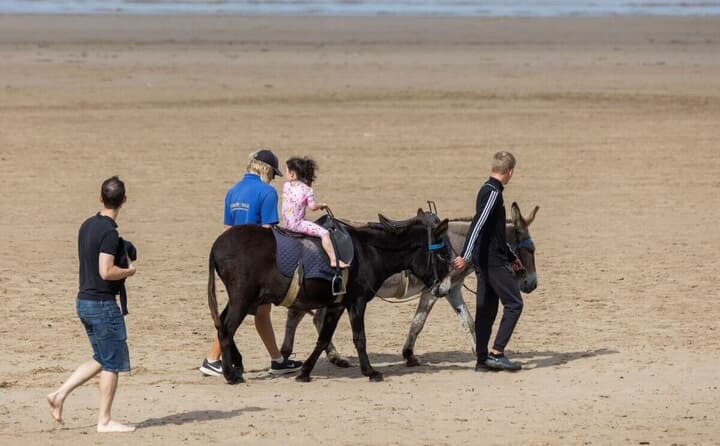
{"x":235,"y":379}
{"x":303,"y":378}
{"x":376,"y":377}
{"x":340,"y":362}
{"x":412,"y":361}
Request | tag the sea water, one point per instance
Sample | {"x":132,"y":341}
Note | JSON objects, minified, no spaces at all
{"x":491,"y":8}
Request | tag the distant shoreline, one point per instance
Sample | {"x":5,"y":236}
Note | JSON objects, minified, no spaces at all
{"x":366,"y":8}
{"x":299,"y":31}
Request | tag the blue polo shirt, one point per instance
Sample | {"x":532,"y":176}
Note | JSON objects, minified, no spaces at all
{"x":251,"y":201}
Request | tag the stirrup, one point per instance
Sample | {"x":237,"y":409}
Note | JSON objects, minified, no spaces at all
{"x":338,"y":287}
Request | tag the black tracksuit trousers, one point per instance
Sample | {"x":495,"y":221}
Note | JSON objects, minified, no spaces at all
{"x":496,"y":283}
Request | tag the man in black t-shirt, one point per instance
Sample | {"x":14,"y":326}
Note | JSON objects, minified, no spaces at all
{"x":495,"y":264}
{"x":99,"y":284}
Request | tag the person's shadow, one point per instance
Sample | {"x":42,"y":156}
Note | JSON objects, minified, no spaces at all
{"x":539,"y":359}
{"x":195,"y":416}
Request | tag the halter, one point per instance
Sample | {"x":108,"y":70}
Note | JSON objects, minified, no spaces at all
{"x":432,"y":247}
{"x":525,"y":243}
{"x":431,"y":261}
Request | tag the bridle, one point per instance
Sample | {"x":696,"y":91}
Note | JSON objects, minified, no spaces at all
{"x":526,"y":243}
{"x":516,"y":244}
{"x":433,"y":254}
{"x":434,"y":248}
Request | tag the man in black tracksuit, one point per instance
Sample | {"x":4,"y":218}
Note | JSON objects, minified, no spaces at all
{"x":495,"y":264}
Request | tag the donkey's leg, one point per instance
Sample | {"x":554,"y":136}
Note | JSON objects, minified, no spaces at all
{"x":293,"y":319}
{"x":332,"y":316}
{"x":232,"y":365}
{"x":427,"y":300}
{"x":356,"y":311}
{"x":456,"y":301}
{"x":332,"y":354}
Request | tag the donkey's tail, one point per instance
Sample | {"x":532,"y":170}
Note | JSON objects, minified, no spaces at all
{"x":212,"y":300}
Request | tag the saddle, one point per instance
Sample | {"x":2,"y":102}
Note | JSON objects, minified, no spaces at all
{"x":301,"y":257}
{"x":344,"y":249}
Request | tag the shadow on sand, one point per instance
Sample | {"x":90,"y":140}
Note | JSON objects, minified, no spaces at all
{"x":539,"y":359}
{"x":194,"y":416}
{"x":435,"y":362}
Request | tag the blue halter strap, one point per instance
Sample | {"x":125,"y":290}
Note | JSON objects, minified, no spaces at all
{"x":527,"y":243}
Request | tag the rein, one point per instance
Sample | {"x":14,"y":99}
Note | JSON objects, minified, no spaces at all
{"x":401,"y":301}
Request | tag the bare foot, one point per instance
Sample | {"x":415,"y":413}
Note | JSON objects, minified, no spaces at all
{"x":342,"y":265}
{"x":56,"y":407}
{"x":114,"y":426}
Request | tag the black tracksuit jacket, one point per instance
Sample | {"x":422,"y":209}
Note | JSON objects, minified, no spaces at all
{"x":486,"y":243}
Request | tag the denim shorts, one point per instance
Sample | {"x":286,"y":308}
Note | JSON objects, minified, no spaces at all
{"x":105,"y":327}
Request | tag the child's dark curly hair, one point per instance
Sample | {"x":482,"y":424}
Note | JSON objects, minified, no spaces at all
{"x":304,"y":168}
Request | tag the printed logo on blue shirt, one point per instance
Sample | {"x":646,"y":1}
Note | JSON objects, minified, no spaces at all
{"x":239,"y":206}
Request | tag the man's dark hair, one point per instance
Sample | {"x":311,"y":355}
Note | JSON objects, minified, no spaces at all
{"x":113,"y":192}
{"x":304,"y":168}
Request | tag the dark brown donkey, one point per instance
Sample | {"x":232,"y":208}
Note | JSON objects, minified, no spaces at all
{"x":245,"y":259}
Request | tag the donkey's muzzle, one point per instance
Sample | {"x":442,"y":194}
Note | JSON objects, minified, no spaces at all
{"x":528,"y":283}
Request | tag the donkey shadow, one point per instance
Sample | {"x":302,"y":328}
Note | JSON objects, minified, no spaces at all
{"x":437,"y":362}
{"x":389,"y":364}
{"x":539,"y":359}
{"x":195,"y":416}
{"x":529,"y":359}
{"x":432,"y":362}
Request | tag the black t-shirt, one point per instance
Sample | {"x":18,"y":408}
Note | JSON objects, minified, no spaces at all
{"x":97,"y":234}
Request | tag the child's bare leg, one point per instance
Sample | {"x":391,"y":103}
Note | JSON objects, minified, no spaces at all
{"x":327,"y":246}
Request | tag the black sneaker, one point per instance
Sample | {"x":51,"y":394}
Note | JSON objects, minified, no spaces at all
{"x":501,"y":363}
{"x":287,"y":366}
{"x":211,"y":368}
{"x":480,"y":366}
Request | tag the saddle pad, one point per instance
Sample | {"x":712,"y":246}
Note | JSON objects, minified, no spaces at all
{"x":290,"y":250}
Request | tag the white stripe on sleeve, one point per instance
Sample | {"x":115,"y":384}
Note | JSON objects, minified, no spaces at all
{"x":478,"y":226}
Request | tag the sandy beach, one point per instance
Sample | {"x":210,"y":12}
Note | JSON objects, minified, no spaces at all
{"x":614,"y":122}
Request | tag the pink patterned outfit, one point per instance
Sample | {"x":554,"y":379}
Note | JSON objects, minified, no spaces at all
{"x":296,"y":197}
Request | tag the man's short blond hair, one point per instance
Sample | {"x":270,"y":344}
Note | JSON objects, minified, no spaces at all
{"x":264,"y":170}
{"x":503,"y":162}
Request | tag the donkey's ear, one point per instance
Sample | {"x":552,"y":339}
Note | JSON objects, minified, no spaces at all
{"x":531,"y":217}
{"x":517,"y":219}
{"x":420,"y":212}
{"x":441,"y":228}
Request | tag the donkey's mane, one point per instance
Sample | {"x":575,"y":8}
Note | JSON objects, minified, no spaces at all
{"x":467,"y":219}
{"x":370,"y":230}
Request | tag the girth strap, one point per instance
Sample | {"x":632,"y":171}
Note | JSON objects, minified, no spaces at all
{"x":294,"y":287}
